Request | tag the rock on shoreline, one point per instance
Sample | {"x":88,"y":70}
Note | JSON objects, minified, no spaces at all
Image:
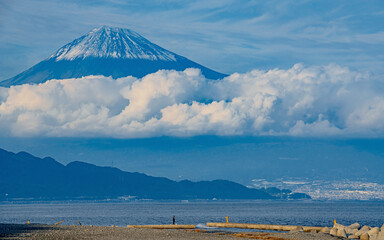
{"x":355,"y":231}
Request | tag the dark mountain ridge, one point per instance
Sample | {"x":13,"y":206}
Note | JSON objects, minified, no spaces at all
{"x":25,"y":176}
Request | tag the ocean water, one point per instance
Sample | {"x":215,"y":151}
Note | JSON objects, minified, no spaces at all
{"x":261,"y":212}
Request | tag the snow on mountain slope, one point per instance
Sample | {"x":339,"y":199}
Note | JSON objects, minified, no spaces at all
{"x":107,"y":51}
{"x":107,"y":42}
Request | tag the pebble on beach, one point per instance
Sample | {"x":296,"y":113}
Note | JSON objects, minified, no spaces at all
{"x":338,"y":231}
{"x":41,"y":231}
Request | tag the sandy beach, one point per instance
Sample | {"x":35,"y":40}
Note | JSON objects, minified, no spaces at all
{"x":42,"y":231}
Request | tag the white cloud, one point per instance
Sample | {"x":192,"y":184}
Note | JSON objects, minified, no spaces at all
{"x":318,"y":128}
{"x":369,"y":117}
{"x":301,"y":101}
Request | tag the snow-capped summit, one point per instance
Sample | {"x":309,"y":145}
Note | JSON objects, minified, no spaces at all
{"x":107,"y":51}
{"x":108,"y":42}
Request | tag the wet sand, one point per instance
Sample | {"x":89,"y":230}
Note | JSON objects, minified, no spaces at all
{"x":42,"y":231}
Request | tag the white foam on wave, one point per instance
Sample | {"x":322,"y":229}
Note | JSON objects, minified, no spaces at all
{"x":203,"y":225}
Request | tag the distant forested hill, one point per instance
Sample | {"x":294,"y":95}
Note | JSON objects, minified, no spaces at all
{"x":25,"y":176}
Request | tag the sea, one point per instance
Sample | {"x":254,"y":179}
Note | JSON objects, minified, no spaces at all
{"x":310,"y":213}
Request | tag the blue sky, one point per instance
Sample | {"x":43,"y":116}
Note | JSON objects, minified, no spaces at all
{"x":335,"y":94}
{"x":226,"y":35}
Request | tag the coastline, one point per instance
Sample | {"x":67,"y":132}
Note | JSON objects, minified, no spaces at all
{"x":44,"y":231}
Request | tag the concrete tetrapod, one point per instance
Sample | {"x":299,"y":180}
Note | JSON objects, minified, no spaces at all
{"x":364,"y":236}
{"x":355,"y":226}
{"x":333,"y":231}
{"x":365,"y":228}
{"x":373,"y":231}
{"x":353,"y":237}
{"x":361,"y":232}
{"x":341,"y":233}
{"x":380,"y":236}
{"x":325,"y":230}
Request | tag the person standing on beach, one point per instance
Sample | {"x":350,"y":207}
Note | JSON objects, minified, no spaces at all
{"x":174,"y":220}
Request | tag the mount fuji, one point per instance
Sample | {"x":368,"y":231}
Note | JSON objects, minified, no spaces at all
{"x":107,"y":51}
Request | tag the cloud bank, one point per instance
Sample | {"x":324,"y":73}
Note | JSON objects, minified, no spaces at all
{"x":300,"y":101}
